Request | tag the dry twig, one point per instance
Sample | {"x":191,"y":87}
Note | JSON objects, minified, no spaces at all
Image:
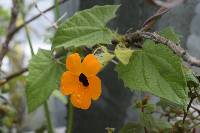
{"x":10,"y":29}
{"x":14,"y":75}
{"x":131,"y":37}
{"x":54,"y":25}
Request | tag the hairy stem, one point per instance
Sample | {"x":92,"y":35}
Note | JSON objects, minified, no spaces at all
{"x":46,"y":109}
{"x":70,"y":111}
{"x":70,"y":114}
{"x":26,"y":28}
{"x":48,"y":118}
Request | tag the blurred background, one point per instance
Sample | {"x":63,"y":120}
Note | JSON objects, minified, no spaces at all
{"x":115,"y":105}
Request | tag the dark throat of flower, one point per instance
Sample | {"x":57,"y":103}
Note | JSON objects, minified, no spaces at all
{"x":83,"y":79}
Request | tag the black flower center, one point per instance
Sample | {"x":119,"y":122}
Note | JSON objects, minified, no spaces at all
{"x":83,"y":79}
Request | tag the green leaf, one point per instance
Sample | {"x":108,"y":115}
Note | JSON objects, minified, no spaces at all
{"x":44,"y":77}
{"x":191,"y":79}
{"x":103,"y":55}
{"x":123,"y":54}
{"x":156,"y":70}
{"x":87,"y":27}
{"x":162,"y":124}
{"x":105,"y":58}
{"x":149,"y":107}
{"x":164,"y":104}
{"x":170,"y":34}
{"x":147,"y":120}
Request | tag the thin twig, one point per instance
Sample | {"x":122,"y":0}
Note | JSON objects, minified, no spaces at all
{"x":52,"y":24}
{"x":114,"y":61}
{"x":188,"y":107}
{"x":10,"y":29}
{"x":26,"y":28}
{"x":164,"y":8}
{"x":198,"y":110}
{"x":59,"y":19}
{"x":131,"y":37}
{"x":4,"y":99}
{"x":151,"y":21}
{"x":14,"y":75}
{"x":37,"y":16}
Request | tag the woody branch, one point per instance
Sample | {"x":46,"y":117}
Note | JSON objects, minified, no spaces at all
{"x":12,"y":76}
{"x":132,"y":37}
{"x":10,"y":29}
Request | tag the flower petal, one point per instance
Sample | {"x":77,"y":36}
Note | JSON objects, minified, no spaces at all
{"x":94,"y":87}
{"x":73,"y":63}
{"x":80,"y":100}
{"x":69,"y":83}
{"x":90,"y":65}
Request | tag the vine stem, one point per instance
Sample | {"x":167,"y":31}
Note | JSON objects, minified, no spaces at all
{"x":27,"y":32}
{"x":57,"y":7}
{"x":46,"y":108}
{"x":70,"y":114}
{"x":48,"y":118}
{"x":70,"y":110}
{"x":142,"y":110}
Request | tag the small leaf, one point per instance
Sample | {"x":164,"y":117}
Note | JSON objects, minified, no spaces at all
{"x":103,"y":55}
{"x":164,"y":104}
{"x":162,"y":124}
{"x":87,"y":27}
{"x":156,"y":70}
{"x":105,"y":58}
{"x":44,"y":77}
{"x":147,"y":120}
{"x":123,"y":54}
{"x":191,"y":79}
{"x":149,"y":107}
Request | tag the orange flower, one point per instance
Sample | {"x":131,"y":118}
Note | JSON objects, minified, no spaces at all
{"x":80,"y":81}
